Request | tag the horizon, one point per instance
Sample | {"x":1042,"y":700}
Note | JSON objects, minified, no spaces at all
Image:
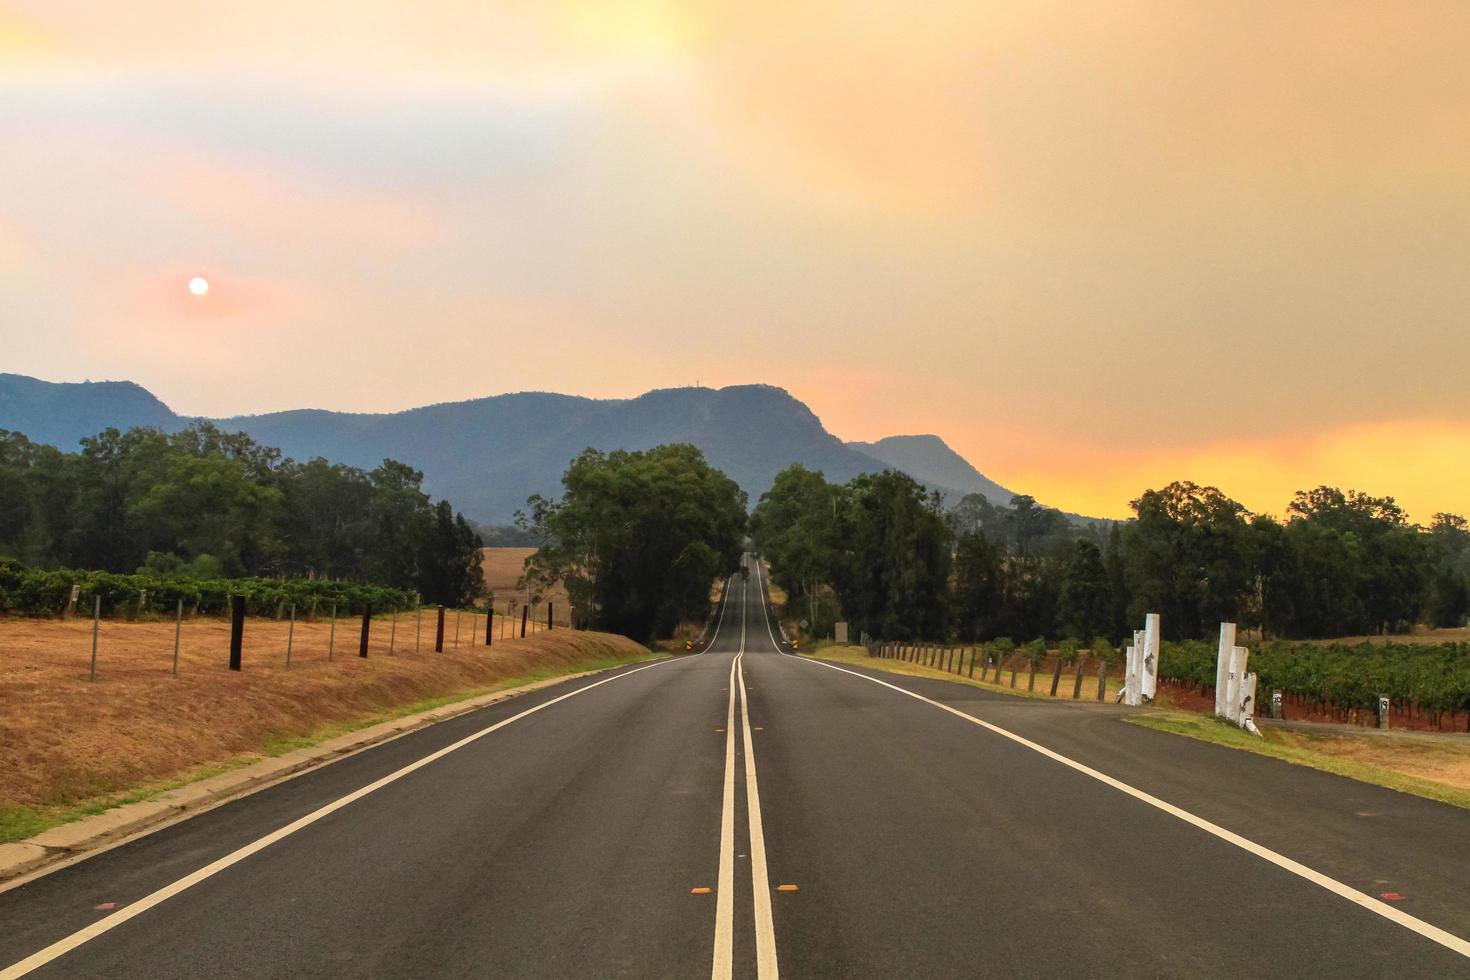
{"x":1094,"y":247}
{"x":1414,"y":514}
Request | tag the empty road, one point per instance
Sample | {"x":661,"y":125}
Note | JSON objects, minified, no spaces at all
{"x":747,"y":813}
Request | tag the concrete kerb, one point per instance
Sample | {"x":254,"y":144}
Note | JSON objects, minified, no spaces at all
{"x":22,"y":860}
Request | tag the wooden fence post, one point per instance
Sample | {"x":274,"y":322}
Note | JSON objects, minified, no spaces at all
{"x":489,"y":621}
{"x":439,"y":633}
{"x":1077,"y":676}
{"x":96,"y":618}
{"x":178,"y":626}
{"x":1102,"y":677}
{"x":549,"y":624}
{"x":1056,"y":675}
{"x":367,"y":622}
{"x":525,"y":615}
{"x":237,"y":629}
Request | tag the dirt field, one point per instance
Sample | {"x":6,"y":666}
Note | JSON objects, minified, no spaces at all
{"x":503,"y":568}
{"x":67,"y":741}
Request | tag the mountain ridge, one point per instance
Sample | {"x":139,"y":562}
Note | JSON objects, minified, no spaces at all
{"x":487,"y":455}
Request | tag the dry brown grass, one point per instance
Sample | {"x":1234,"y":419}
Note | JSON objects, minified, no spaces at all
{"x":503,"y":567}
{"x":65,"y":740}
{"x":1431,"y":757}
{"x":858,"y":656}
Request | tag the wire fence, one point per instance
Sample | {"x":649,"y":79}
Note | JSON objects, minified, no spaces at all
{"x":291,"y":637}
{"x":1075,"y":677}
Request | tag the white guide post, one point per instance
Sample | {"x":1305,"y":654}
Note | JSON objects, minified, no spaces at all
{"x":1222,"y":665}
{"x":1234,"y":675}
{"x":1149,"y":662}
{"x":1248,"y":703}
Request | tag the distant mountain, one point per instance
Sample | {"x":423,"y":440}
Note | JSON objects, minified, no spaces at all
{"x":61,"y":414}
{"x":930,"y":460}
{"x":487,"y":455}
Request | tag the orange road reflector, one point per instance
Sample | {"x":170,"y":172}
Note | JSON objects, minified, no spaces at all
{"x":756,"y":728}
{"x":700,"y":891}
{"x":785,"y":888}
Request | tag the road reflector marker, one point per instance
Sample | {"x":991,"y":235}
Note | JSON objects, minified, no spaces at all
{"x":1391,"y":897}
{"x":785,"y":888}
{"x":700,"y":891}
{"x":105,"y":907}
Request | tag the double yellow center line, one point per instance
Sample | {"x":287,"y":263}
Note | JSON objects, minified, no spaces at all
{"x":765,"y":931}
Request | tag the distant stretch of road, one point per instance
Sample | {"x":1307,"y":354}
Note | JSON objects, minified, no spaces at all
{"x":743,"y":812}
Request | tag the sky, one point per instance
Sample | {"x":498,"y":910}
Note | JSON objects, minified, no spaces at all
{"x":1096,"y":246}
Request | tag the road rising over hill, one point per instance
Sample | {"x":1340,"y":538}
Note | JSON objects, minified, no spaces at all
{"x":743,"y":812}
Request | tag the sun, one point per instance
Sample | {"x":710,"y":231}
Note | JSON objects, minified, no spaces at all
{"x":199,"y":285}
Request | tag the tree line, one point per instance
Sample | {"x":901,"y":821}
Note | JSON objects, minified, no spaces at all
{"x":637,"y":538}
{"x":207,"y":504}
{"x":886,"y":555}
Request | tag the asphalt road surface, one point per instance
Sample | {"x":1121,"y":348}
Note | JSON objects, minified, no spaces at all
{"x":747,"y":813}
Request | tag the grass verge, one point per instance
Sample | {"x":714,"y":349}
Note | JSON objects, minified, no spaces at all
{"x":857,"y":656}
{"x":1432,"y":766}
{"x":18,"y":822}
{"x":1423,"y":765}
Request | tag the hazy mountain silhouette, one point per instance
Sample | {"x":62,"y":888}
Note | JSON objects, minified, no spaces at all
{"x":487,"y":455}
{"x":929,"y":459}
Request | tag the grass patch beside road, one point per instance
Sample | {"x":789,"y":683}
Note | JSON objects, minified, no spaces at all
{"x":1432,"y":766}
{"x":1436,"y":767}
{"x":72,"y":748}
{"x":857,"y":656}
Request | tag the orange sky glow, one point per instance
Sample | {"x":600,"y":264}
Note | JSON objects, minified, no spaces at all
{"x":1096,"y":246}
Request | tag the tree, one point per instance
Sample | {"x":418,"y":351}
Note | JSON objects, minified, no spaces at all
{"x":1449,"y":554}
{"x":637,"y":537}
{"x":978,"y":585}
{"x":795,"y":527}
{"x":202,"y":498}
{"x":1188,"y":558}
{"x":451,"y":559}
{"x":1086,"y":599}
{"x":893,"y":576}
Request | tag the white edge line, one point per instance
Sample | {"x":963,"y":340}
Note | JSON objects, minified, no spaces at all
{"x":1433,"y":933}
{"x":106,"y":924}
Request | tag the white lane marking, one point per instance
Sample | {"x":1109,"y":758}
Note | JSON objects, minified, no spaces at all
{"x":1433,"y":933}
{"x":724,"y":952}
{"x":765,"y":616}
{"x":765,"y":930}
{"x":724,"y":602}
{"x":110,"y":922}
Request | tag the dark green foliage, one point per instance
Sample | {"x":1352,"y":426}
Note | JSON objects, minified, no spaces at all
{"x":880,"y":542}
{"x":1341,"y":564}
{"x":979,"y":582}
{"x":1434,"y":677}
{"x":45,"y":592}
{"x":1188,"y":558}
{"x":1085,"y":607}
{"x":637,"y":537}
{"x":207,"y":504}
